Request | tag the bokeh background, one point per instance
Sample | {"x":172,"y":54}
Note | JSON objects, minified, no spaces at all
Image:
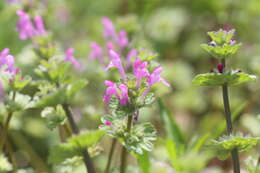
{"x":172,"y":28}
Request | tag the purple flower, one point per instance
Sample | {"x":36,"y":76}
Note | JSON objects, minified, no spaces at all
{"x":110,"y":91}
{"x":107,"y":123}
{"x":131,"y":54}
{"x":96,"y":51}
{"x":24,"y":26}
{"x":109,"y":30}
{"x":123,"y":96}
{"x":7,"y":61}
{"x":116,"y":62}
{"x":70,"y":58}
{"x":140,"y":71}
{"x":39,"y":26}
{"x":155,"y":77}
{"x":122,"y":39}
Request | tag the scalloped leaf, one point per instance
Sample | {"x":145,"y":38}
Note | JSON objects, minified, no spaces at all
{"x":52,"y":99}
{"x":223,"y":51}
{"x":86,"y":139}
{"x":218,"y":79}
{"x":224,"y":145}
{"x":221,"y":36}
{"x":54,"y":116}
{"x":74,"y":146}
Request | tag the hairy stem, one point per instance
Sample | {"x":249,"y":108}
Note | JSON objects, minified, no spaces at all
{"x":86,"y":157}
{"x":234,"y":152}
{"x":124,"y":152}
{"x":111,"y":152}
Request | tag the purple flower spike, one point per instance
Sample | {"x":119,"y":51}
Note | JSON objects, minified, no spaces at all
{"x":116,"y":62}
{"x":110,"y":91}
{"x":107,"y":123}
{"x":70,"y":58}
{"x":96,"y":51}
{"x":140,"y":71}
{"x":109,"y":30}
{"x":220,"y":68}
{"x":123,"y":97}
{"x":155,"y":77}
{"x":122,"y":39}
{"x":39,"y":24}
{"x":24,"y":26}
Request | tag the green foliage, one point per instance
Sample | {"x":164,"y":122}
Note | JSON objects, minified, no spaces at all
{"x":74,"y":88}
{"x":222,"y":46}
{"x":172,"y":130}
{"x":140,"y":138}
{"x":225,"y":144}
{"x":20,"y":82}
{"x":218,"y":79}
{"x":74,"y":146}
{"x":55,"y":97}
{"x":87,"y":139}
{"x":54,"y":116}
{"x":252,"y":165}
{"x":5,"y":166}
{"x":144,"y":162}
{"x":19,"y":102}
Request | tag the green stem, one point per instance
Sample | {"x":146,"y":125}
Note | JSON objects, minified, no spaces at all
{"x":124,"y":152}
{"x":111,"y":152}
{"x":86,"y":157}
{"x":6,"y":125}
{"x":234,"y":152}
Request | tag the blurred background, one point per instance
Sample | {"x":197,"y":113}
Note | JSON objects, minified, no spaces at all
{"x":172,"y":28}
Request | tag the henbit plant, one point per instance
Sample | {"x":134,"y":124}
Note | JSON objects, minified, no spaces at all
{"x":12,"y":82}
{"x":125,"y":99}
{"x":222,"y":47}
{"x":57,"y":88}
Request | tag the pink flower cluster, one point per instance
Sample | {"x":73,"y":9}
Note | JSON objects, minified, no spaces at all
{"x":140,"y":72}
{"x":116,"y":41}
{"x":29,"y":28}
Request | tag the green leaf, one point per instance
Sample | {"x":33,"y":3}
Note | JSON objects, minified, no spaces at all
{"x":74,"y":87}
{"x":52,"y":99}
{"x":144,"y":162}
{"x":218,"y":79}
{"x":221,"y":36}
{"x":21,"y":82}
{"x":140,"y":138}
{"x":149,"y":99}
{"x":173,"y":153}
{"x":74,"y":146}
{"x":86,"y":139}
{"x":54,"y":116}
{"x":21,"y":102}
{"x":172,"y":130}
{"x":62,"y":152}
{"x":221,"y":52}
{"x":224,"y":145}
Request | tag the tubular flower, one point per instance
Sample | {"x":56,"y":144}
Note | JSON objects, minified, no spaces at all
{"x":116,"y":62}
{"x":140,"y":71}
{"x":96,"y":51}
{"x":123,"y":96}
{"x":70,"y":58}
{"x":110,"y":91}
{"x":7,"y":61}
{"x":122,"y":39}
{"x":109,"y":30}
{"x":155,"y":77}
{"x":28,"y":28}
